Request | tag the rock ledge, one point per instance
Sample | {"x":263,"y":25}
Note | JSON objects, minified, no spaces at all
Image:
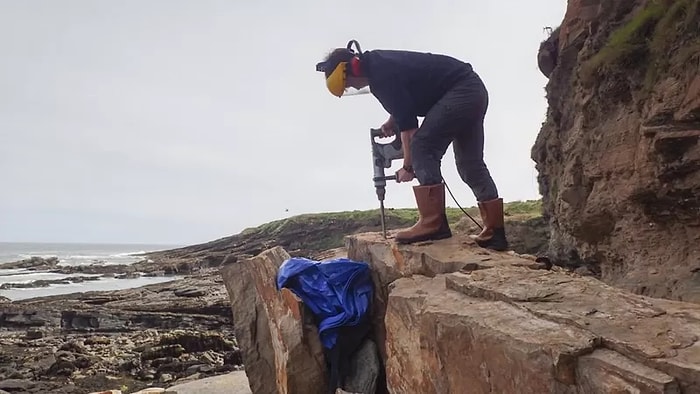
{"x":456,"y":318}
{"x":449,"y":317}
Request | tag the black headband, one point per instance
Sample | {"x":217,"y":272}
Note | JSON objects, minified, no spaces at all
{"x":332,"y":62}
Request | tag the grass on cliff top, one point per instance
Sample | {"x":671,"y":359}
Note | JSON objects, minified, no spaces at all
{"x":647,"y":40}
{"x":518,"y":210}
{"x":311,"y":233}
{"x":322,"y":231}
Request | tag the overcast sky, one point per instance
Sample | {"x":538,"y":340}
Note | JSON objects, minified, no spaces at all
{"x":178,"y":122}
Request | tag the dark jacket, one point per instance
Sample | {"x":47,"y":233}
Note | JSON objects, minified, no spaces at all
{"x":408,"y":84}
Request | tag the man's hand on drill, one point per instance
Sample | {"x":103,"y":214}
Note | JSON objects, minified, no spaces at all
{"x":403,"y":175}
{"x":388,"y":128}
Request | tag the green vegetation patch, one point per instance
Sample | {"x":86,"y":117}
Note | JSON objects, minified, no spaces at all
{"x":676,"y":36}
{"x":395,"y":217}
{"x":647,"y":40}
{"x":322,"y":231}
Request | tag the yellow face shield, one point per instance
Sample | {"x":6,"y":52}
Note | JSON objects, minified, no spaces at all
{"x":337,"y":76}
{"x":336,"y":81}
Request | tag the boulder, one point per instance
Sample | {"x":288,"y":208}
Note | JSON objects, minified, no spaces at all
{"x":452,"y":317}
{"x":279,"y":341}
{"x":547,"y":54}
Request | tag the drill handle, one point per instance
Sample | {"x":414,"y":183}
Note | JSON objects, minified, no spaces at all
{"x":378,"y":132}
{"x":384,"y":178}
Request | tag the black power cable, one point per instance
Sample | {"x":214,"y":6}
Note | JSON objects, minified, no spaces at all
{"x":460,"y":207}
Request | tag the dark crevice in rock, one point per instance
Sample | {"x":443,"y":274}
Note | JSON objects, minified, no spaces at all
{"x":674,"y":147}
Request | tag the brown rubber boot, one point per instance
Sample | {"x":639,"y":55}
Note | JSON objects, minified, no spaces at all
{"x":432,"y":221}
{"x":485,"y":231}
{"x":493,"y":235}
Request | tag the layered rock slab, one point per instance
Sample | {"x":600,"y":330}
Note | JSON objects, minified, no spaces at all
{"x":280,"y":346}
{"x":456,"y":318}
{"x":606,"y":371}
{"x":658,"y":333}
{"x":390,"y":262}
{"x":443,"y":342}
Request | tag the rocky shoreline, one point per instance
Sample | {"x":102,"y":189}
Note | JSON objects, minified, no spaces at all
{"x":94,"y":271}
{"x":157,"y":335}
{"x":151,"y":336}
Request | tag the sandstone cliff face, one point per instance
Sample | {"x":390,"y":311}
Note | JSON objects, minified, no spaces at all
{"x":618,"y":156}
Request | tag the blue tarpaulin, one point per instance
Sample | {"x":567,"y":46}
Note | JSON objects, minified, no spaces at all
{"x":338,"y":291}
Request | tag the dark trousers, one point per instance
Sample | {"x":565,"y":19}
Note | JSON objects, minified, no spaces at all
{"x":457,"y":118}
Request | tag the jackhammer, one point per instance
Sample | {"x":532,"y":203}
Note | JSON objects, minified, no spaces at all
{"x":382,"y":156}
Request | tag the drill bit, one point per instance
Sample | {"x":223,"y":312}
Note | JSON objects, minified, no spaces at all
{"x":381,"y":214}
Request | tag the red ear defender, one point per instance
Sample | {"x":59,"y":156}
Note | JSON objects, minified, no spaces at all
{"x":355,"y":66}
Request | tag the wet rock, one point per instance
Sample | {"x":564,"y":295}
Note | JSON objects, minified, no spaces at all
{"x":62,"y":368}
{"x":34,"y":334}
{"x":193,"y":341}
{"x":74,"y":346}
{"x":97,"y":340}
{"x":128,"y":275}
{"x":8,"y":372}
{"x":110,"y":270}
{"x":91,"y":321}
{"x":147,"y":374}
{"x":193,"y":369}
{"x":32,"y":263}
{"x":47,"y":282}
{"x":13,"y":318}
{"x":155,"y":273}
{"x":16,"y":385}
{"x":162,"y":351}
{"x":172,"y":333}
{"x":189,"y":293}
{"x":83,"y":362}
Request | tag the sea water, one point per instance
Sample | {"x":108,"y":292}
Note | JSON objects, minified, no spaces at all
{"x":72,"y":255}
